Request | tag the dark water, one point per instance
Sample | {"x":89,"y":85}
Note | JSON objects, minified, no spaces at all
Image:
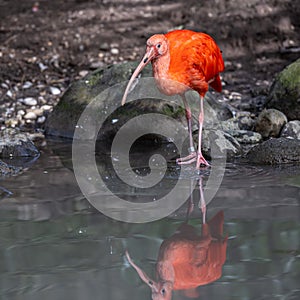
{"x":55,"y":245}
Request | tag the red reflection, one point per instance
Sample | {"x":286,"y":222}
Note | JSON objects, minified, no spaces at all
{"x":187,"y":259}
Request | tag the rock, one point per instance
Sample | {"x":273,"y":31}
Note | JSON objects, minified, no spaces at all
{"x":270,"y":122}
{"x":216,"y":144}
{"x":41,"y":120}
{"x":223,"y":112}
{"x":242,"y":121}
{"x":46,"y":107}
{"x":284,"y":94}
{"x":246,"y":136}
{"x":21,"y":112}
{"x":275,"y":151}
{"x":29,"y":101}
{"x":54,"y":90}
{"x":291,"y":129}
{"x":104,"y":47}
{"x":246,"y":120}
{"x":15,"y":144}
{"x":37,"y":111}
{"x":27,"y":85}
{"x":108,"y":85}
{"x":63,"y":119}
{"x":83,"y":73}
{"x":30,"y":116}
{"x":8,"y":170}
{"x":114,"y":51}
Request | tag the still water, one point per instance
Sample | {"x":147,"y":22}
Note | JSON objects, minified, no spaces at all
{"x":55,"y":245}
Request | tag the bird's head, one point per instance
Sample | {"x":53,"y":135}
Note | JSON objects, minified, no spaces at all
{"x":157,"y":45}
{"x":161,"y":290}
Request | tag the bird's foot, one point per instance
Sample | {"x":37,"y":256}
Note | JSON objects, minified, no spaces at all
{"x":192,"y":157}
{"x":201,"y":161}
{"x":187,"y":159}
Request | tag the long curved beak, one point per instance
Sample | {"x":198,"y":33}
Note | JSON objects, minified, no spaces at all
{"x":152,"y":284}
{"x":146,"y":59}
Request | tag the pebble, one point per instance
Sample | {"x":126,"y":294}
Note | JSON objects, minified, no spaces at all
{"x":54,"y":90}
{"x":4,"y":85}
{"x":291,"y":130}
{"x":21,"y":112}
{"x":27,"y":85}
{"x":9,"y":94}
{"x":37,"y":111}
{"x":114,"y":51}
{"x":42,"y":67}
{"x":83,"y":73}
{"x":41,"y":120}
{"x":104,"y":47}
{"x":30,"y":116}
{"x":29,"y":101}
{"x":46,"y":107}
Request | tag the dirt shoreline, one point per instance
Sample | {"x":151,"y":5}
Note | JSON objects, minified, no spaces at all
{"x":46,"y":45}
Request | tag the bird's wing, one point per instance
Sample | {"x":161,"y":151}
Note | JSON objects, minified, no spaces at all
{"x":195,"y":59}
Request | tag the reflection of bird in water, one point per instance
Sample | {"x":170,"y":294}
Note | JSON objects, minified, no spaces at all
{"x":187,"y":260}
{"x":190,"y":58}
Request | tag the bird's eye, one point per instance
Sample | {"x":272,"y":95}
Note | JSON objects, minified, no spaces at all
{"x":158,"y":46}
{"x":163,"y":291}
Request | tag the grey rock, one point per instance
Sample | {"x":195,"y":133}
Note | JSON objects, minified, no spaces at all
{"x":284,"y":94}
{"x":217,"y":144}
{"x":29,"y":101}
{"x":246,"y":136}
{"x":275,"y":151}
{"x":8,"y":170}
{"x":270,"y":123}
{"x":15,"y":144}
{"x":30,"y":116}
{"x":291,"y":129}
{"x":54,"y":90}
{"x":98,"y":97}
{"x":246,"y":120}
{"x":242,"y":121}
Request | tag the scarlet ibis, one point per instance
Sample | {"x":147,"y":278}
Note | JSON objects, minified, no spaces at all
{"x":195,"y":61}
{"x":187,"y":260}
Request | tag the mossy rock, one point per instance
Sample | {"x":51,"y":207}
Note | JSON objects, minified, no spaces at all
{"x":101,"y":92}
{"x":285,"y":92}
{"x":275,"y":152}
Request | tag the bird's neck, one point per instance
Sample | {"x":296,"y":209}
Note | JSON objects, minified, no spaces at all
{"x":161,"y":66}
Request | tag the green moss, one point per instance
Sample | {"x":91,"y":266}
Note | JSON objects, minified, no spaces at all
{"x":174,"y":113}
{"x":290,"y":77}
{"x":94,"y":78}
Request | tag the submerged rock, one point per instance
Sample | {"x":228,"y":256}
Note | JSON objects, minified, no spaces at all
{"x":16,"y":144}
{"x":285,"y":92}
{"x":270,"y":123}
{"x":275,"y":151}
{"x":8,"y":170}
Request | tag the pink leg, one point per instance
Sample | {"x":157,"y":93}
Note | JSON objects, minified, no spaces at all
{"x":200,"y":158}
{"x":202,"y":204}
{"x":192,"y":152}
{"x":191,"y":202}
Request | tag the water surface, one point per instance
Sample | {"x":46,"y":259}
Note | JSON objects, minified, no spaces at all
{"x":55,"y":245}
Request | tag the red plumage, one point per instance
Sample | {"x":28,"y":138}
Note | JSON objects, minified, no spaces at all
{"x":195,"y":58}
{"x":190,"y":58}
